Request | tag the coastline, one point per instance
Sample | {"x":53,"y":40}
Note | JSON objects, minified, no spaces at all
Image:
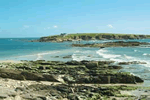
{"x":49,"y":71}
{"x":49,"y":75}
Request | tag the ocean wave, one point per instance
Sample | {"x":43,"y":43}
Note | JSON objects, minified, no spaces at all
{"x":117,"y":60}
{"x":128,"y":57}
{"x":104,"y":54}
{"x":38,"y":56}
{"x":145,"y":54}
{"x":135,"y":50}
{"x":77,"y":51}
{"x":78,"y":57}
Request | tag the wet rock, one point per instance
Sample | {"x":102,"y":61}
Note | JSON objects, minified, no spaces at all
{"x":73,"y":63}
{"x":102,"y":47}
{"x":133,"y":62}
{"x":91,"y":65}
{"x":115,"y":67}
{"x":105,"y":62}
{"x":27,"y":96}
{"x":69,"y":56}
{"x":112,"y":44}
{"x":138,"y":79}
{"x":56,"y":56}
{"x":89,"y":56}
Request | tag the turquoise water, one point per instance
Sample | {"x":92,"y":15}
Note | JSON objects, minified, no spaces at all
{"x":20,"y":49}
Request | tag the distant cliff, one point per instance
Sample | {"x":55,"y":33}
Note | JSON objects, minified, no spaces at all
{"x":90,"y":36}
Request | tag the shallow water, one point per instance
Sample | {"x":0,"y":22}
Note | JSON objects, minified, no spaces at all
{"x":20,"y":49}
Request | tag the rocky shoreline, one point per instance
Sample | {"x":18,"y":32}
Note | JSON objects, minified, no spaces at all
{"x":72,"y":80}
{"x":113,"y":44}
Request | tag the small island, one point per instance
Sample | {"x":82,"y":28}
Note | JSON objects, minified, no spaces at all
{"x":90,"y":36}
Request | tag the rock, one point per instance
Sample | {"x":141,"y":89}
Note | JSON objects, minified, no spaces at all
{"x":124,"y":63}
{"x":91,"y":65}
{"x":41,"y":98}
{"x":69,"y":56}
{"x":133,"y":62}
{"x":89,"y":56}
{"x":3,"y":96}
{"x":18,"y":97}
{"x":112,"y":44}
{"x":115,"y":67}
{"x":24,"y":75}
{"x":32,"y":76}
{"x":19,"y":89}
{"x":56,"y":56}
{"x":73,"y":63}
{"x":138,"y":79}
{"x":48,"y":77}
{"x":24,"y":67}
{"x":9,"y":73}
{"x":102,"y":47}
{"x":68,"y":79}
{"x":73,"y":96}
{"x":41,"y":68}
{"x":6,"y":92}
{"x":105,"y":62}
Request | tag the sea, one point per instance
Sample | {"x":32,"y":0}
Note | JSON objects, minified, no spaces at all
{"x":22,"y":49}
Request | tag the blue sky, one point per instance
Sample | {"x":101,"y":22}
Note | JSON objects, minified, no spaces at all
{"x":36,"y":18}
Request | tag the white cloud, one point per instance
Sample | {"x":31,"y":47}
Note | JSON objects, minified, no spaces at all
{"x":110,"y":26}
{"x":55,"y":26}
{"x":46,"y":28}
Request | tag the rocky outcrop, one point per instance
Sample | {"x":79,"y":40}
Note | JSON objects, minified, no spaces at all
{"x":24,"y":75}
{"x":36,"y":80}
{"x":133,"y":62}
{"x":70,"y":72}
{"x":112,"y":44}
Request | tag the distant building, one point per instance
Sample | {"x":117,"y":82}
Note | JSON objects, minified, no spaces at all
{"x":63,"y":34}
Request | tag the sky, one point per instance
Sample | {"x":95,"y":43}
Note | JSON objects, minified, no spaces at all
{"x":36,"y":18}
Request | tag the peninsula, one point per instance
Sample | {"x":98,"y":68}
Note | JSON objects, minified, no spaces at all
{"x":90,"y":36}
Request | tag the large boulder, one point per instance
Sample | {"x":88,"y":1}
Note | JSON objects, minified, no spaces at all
{"x":91,"y":65}
{"x":24,"y":75}
{"x":12,"y":74}
{"x":73,"y":63}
